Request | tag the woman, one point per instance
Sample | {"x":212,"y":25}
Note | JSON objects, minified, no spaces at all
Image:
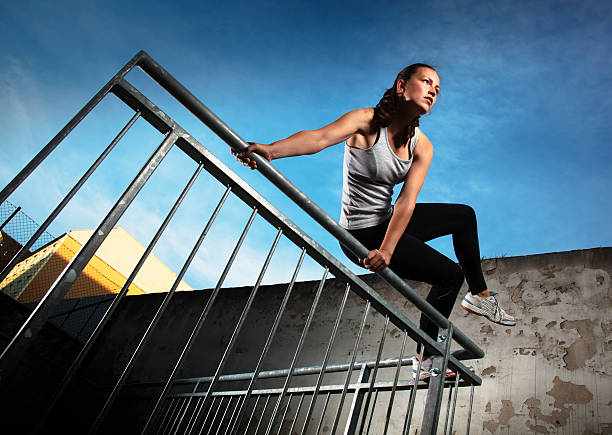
{"x":385,"y":147}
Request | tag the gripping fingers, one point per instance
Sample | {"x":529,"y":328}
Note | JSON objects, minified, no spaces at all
{"x":375,"y":261}
{"x":243,"y":158}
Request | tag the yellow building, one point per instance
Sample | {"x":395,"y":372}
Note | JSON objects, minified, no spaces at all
{"x":106,"y":273}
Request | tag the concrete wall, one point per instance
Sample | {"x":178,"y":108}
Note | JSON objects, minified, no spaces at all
{"x":549,"y":374}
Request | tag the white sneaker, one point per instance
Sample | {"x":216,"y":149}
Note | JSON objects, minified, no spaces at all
{"x":488,"y":307}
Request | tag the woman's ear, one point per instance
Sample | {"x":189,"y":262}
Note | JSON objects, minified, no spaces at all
{"x":401,"y":86}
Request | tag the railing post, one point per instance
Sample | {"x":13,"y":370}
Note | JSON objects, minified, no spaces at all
{"x":437,"y":379}
{"x":357,"y":405}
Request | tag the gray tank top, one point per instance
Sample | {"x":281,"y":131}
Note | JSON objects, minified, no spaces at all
{"x":368,"y":179}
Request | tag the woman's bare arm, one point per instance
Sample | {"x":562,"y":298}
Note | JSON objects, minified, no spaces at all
{"x":380,"y":258}
{"x":311,"y":141}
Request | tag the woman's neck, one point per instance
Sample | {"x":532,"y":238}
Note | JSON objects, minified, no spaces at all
{"x":403,"y":118}
{"x":398,"y":130}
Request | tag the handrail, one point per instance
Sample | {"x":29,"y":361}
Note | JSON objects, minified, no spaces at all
{"x":131,"y":96}
{"x":212,"y":121}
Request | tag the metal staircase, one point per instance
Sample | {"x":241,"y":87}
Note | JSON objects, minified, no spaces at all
{"x":366,"y":395}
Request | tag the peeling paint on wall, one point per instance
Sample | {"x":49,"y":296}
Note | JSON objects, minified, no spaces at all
{"x":489,"y":371}
{"x":583,"y":349}
{"x":566,"y":393}
{"x":518,"y":291}
{"x":505,"y":414}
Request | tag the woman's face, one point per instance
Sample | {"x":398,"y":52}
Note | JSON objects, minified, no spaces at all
{"x":422,"y":89}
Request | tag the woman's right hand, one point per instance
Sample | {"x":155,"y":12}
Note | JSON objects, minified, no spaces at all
{"x":259,"y":148}
{"x":376,"y":260}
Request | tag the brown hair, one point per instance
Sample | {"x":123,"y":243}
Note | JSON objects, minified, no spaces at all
{"x":388,"y":104}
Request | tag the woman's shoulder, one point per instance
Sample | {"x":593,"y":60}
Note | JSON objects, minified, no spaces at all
{"x":365,"y":136}
{"x":364,"y":112}
{"x":423,"y":145}
{"x":361,"y":117}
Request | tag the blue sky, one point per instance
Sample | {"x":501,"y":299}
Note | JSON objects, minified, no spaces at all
{"x":521,"y":132}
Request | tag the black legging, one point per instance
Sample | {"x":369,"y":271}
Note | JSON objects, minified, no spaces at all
{"x":415,"y":260}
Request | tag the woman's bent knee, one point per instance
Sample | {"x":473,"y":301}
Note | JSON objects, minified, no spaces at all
{"x":455,"y":278}
{"x":467,"y":212}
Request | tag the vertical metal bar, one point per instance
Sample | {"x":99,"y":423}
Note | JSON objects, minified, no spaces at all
{"x":397,"y":374}
{"x":204,"y":315}
{"x":189,"y":409}
{"x":169,"y":413}
{"x":323,"y":413}
{"x":448,"y":406}
{"x":372,"y":412}
{"x":229,"y":424}
{"x":263,"y":413}
{"x":194,"y":415}
{"x":297,"y":413}
{"x":195,"y":389}
{"x":59,"y":137}
{"x":162,"y":422}
{"x":350,"y":370}
{"x":25,"y":248}
{"x":212,"y":423}
{"x":252,"y":415}
{"x":271,"y":335}
{"x":450,"y":430}
{"x":229,"y":402}
{"x":208,"y":413}
{"x":179,"y":410}
{"x":431,"y":414}
{"x":330,"y":344}
{"x":175,"y":413}
{"x":175,"y":406}
{"x":470,"y":409}
{"x":157,"y":317}
{"x":357,"y":404}
{"x":280,"y":426}
{"x":413,"y":391}
{"x":174,"y":422}
{"x":380,"y":349}
{"x":13,"y":353}
{"x":177,"y":418}
{"x":111,"y":309}
{"x":17,"y":210}
{"x":299,"y":347}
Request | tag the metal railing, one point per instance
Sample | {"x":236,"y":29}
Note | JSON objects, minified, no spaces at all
{"x":183,"y":412}
{"x":201,"y":410}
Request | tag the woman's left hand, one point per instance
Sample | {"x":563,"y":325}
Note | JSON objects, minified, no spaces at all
{"x":261,"y":149}
{"x":377,"y":260}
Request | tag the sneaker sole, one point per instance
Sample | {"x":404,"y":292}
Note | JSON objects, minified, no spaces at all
{"x":466,"y":308}
{"x":425,"y":376}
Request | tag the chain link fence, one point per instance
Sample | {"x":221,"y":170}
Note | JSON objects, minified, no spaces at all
{"x":90,"y":295}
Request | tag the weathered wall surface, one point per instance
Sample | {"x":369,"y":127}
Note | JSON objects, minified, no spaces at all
{"x":548,"y":374}
{"x":552,"y":372}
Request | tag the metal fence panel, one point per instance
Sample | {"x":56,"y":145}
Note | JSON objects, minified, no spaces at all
{"x":356,"y":393}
